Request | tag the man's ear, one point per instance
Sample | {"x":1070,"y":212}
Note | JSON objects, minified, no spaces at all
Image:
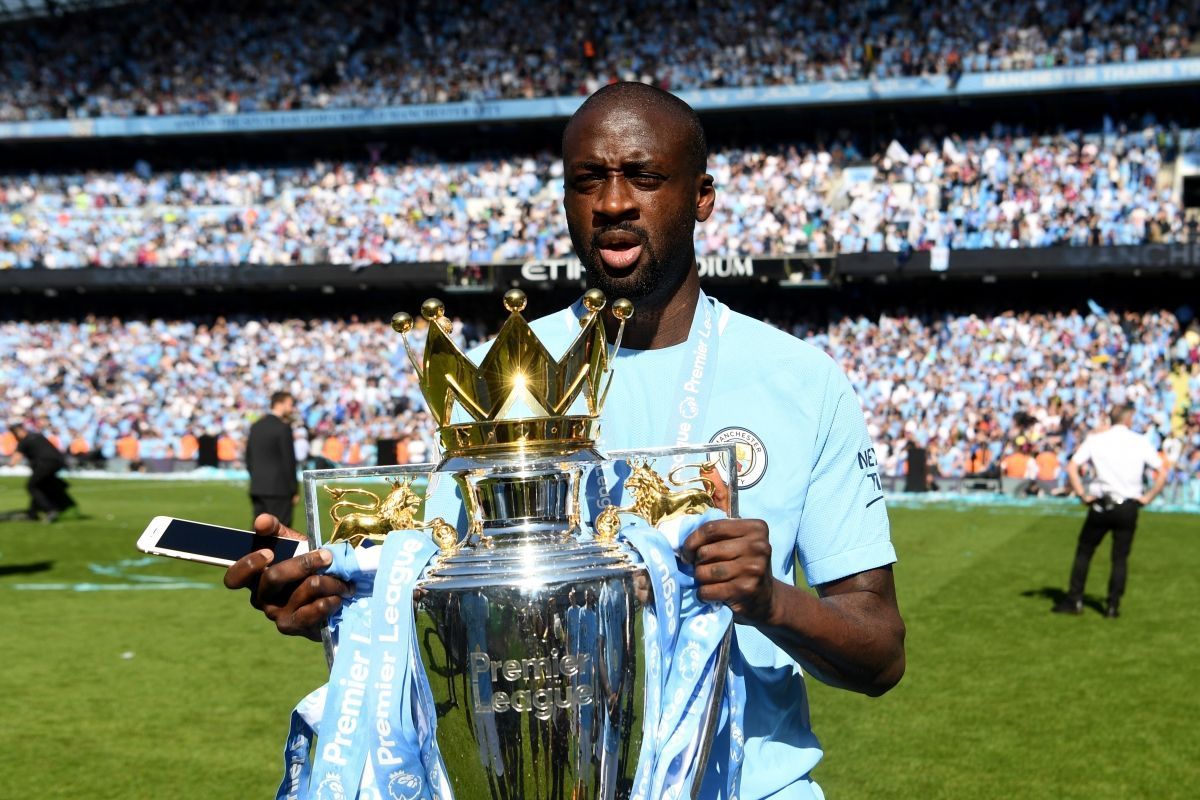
{"x":706,"y":197}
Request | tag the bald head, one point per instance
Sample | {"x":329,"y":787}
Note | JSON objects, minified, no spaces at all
{"x":641,"y":98}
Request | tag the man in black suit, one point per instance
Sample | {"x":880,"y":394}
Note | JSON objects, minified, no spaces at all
{"x":271,"y":460}
{"x":47,"y":491}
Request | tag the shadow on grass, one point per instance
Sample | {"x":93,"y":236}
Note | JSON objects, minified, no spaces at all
{"x":1056,"y":595}
{"x":72,"y":514}
{"x":25,"y":569}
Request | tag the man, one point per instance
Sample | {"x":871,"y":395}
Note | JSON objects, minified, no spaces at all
{"x":271,"y":461}
{"x":47,"y":491}
{"x":634,"y":160}
{"x":1119,"y":458}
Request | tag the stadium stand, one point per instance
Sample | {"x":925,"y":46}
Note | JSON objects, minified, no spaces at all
{"x":1108,"y":187}
{"x":1007,"y":395}
{"x":265,"y":55}
{"x":1001,"y":397}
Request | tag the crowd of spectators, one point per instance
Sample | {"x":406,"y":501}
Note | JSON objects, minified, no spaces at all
{"x":145,"y":392}
{"x":1106,"y":187}
{"x":194,"y":57}
{"x":1010,"y":394}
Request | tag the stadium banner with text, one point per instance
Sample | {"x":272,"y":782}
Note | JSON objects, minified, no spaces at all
{"x":715,"y":269}
{"x":785,"y":271}
{"x":535,"y":274}
{"x":1131,"y":259}
{"x":934,"y":87}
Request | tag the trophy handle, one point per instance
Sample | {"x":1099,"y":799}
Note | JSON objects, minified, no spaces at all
{"x":712,"y":715}
{"x":708,"y":483}
{"x":654,"y":501}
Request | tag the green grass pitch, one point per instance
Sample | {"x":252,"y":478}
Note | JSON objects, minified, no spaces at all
{"x":127,"y":676}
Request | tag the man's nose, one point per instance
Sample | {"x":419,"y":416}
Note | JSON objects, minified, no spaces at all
{"x":614,"y":201}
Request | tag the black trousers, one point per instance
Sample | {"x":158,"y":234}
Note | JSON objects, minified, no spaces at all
{"x":1121,"y":519}
{"x":47,"y":491}
{"x":279,"y":506}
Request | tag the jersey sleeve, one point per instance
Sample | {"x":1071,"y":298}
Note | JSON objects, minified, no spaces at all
{"x":844,"y":524}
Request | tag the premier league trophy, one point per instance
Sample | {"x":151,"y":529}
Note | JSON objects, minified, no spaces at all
{"x":527,"y":623}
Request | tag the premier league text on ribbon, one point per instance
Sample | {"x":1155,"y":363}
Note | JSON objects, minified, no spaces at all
{"x":695,"y":387}
{"x":355,"y":687}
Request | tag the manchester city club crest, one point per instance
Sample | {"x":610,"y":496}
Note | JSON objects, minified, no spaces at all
{"x":751,"y":454}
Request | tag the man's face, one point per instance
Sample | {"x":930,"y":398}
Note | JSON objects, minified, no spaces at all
{"x":632,"y":200}
{"x":285,"y":409}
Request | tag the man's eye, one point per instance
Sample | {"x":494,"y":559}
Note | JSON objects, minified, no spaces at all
{"x":647,"y":179}
{"x":585,"y":181}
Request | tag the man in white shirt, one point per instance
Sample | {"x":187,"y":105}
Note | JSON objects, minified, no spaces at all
{"x":1119,"y":458}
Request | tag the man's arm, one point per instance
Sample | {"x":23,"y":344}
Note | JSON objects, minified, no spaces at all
{"x":287,"y":458}
{"x":251,"y":443}
{"x":850,"y":636}
{"x":1081,"y":457}
{"x":287,"y":449}
{"x":1076,"y":482}
{"x":1160,"y":480}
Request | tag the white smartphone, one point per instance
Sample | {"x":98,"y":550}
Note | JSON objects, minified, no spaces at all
{"x":211,"y":544}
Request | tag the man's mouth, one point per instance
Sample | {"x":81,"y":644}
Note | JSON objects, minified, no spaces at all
{"x":621,"y":257}
{"x":619,"y":249}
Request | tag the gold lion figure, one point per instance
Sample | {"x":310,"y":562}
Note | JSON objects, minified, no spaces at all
{"x":356,"y":522}
{"x":654,"y":501}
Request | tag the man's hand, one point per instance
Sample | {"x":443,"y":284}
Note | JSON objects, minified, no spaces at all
{"x":850,"y":636}
{"x":733,"y":566}
{"x":1088,"y":499}
{"x":292,"y":593}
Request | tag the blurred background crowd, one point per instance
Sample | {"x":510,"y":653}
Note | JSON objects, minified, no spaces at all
{"x":973,"y":392}
{"x":1007,"y":396}
{"x":1110,"y":186}
{"x":194,"y":57}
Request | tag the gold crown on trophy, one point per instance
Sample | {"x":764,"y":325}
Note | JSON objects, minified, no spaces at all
{"x":519,"y":399}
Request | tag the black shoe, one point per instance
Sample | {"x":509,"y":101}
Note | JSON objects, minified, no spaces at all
{"x":1112,"y":611}
{"x":1068,"y":606}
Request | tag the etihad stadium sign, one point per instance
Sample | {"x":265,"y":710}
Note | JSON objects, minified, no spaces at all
{"x":569,"y":270}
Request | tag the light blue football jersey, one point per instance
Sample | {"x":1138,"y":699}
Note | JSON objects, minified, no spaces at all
{"x":807,"y":467}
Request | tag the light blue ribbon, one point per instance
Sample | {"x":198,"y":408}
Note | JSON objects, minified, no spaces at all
{"x":694,"y":382}
{"x":404,"y":760}
{"x":683,"y":670}
{"x":297,"y":778}
{"x":373,"y":721}
{"x":695,"y":379}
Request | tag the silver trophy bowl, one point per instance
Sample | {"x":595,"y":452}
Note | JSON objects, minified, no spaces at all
{"x":531,"y":638}
{"x":530,"y":633}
